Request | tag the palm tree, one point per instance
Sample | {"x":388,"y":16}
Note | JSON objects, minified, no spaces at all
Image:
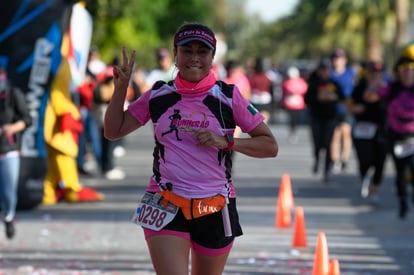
{"x":402,"y":13}
{"x":375,"y":19}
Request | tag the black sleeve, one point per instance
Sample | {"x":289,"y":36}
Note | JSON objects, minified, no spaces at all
{"x":359,"y":90}
{"x":21,"y":109}
{"x":310,"y":95}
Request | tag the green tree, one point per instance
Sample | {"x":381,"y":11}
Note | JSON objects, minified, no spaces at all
{"x":369,"y":30}
{"x":374,"y":20}
{"x":142,"y":25}
{"x":296,"y":36}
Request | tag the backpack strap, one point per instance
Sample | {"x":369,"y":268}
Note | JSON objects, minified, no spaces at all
{"x":226,"y":89}
{"x":158,"y":84}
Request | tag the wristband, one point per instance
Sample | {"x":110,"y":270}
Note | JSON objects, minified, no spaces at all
{"x":230,"y":142}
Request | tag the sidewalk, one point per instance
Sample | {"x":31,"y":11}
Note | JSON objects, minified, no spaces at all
{"x":97,"y":238}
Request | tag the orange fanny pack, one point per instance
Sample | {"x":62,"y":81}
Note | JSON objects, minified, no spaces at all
{"x":194,"y":208}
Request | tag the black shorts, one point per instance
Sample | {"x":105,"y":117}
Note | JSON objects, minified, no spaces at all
{"x":206,"y":231}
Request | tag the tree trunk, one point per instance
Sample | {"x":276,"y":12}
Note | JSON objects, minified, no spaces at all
{"x":402,"y":10}
{"x":372,"y":42}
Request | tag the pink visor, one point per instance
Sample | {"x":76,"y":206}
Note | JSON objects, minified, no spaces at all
{"x":186,"y":36}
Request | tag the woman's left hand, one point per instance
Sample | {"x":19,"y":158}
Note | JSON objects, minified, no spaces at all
{"x":209,"y":138}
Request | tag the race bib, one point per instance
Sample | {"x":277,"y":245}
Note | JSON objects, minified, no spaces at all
{"x":152,"y":214}
{"x":404,"y":148}
{"x":365,"y":130}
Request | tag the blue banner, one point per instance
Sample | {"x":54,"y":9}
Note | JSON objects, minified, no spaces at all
{"x":30,"y":40}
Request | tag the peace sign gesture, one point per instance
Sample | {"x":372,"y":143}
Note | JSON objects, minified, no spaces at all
{"x":122,"y":74}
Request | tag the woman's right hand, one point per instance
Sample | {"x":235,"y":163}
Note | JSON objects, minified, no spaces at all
{"x":117,"y":121}
{"x":122,"y":74}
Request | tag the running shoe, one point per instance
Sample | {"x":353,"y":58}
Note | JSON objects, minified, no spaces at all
{"x":403,"y":209}
{"x":115,"y":174}
{"x":9,"y":229}
{"x":336,"y":168}
{"x":366,"y":181}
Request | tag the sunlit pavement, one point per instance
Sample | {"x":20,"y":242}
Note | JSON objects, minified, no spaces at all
{"x":97,"y":238}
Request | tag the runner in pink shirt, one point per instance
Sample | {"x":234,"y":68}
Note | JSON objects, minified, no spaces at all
{"x":190,"y":203}
{"x":294,"y":88}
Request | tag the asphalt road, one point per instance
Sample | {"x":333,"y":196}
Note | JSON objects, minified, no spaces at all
{"x":98,"y":238}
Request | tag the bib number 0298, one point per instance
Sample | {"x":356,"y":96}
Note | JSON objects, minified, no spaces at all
{"x":152,"y":214}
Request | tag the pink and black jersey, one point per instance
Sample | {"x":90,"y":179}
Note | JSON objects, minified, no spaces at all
{"x":400,"y":105}
{"x":194,"y":171}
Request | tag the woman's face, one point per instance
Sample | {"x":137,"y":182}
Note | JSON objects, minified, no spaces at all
{"x":323,"y":72}
{"x":194,"y":60}
{"x":339,"y":63}
{"x":406,"y":74}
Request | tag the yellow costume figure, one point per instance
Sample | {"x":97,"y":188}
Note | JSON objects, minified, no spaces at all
{"x":62,"y":126}
{"x":408,"y":51}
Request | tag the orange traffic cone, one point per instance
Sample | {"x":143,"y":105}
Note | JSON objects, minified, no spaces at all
{"x":334,"y":267}
{"x":299,"y":233}
{"x":285,"y":191}
{"x":283,"y":216}
{"x":321,"y":259}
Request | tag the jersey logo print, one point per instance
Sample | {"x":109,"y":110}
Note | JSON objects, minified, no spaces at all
{"x":175,"y":119}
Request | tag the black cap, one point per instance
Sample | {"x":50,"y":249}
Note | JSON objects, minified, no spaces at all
{"x":338,"y":53}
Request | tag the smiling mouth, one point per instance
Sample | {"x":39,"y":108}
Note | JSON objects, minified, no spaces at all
{"x":194,"y":67}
